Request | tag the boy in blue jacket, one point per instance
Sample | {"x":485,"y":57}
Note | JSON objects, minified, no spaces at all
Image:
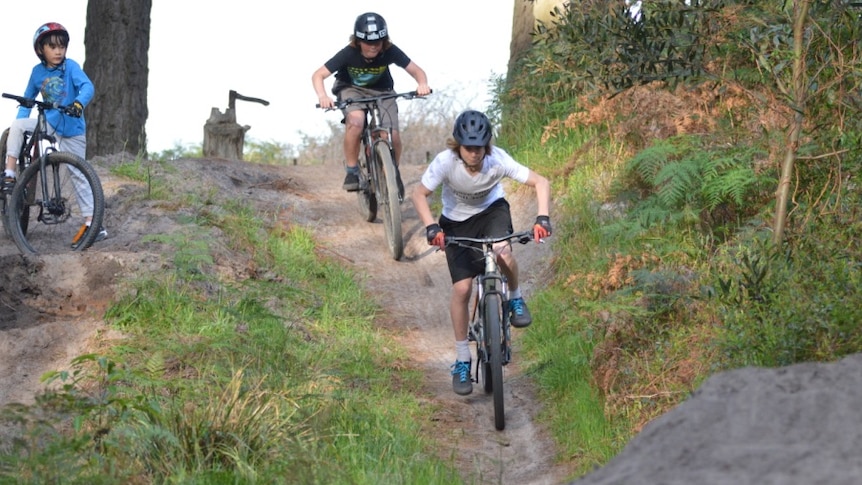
{"x":62,"y":81}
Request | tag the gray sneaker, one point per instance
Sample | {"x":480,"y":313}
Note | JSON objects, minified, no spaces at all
{"x":351,"y":182}
{"x":8,"y":184}
{"x":461,"y":383}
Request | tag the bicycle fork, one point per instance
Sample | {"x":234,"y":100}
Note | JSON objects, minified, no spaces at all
{"x":476,"y":330}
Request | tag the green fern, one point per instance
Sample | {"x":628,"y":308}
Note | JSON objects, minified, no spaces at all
{"x":676,"y":182}
{"x":650,"y":161}
{"x":729,"y":179}
{"x":731,"y":186}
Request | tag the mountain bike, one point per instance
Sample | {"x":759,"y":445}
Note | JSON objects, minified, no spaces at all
{"x":489,"y":325}
{"x":379,"y":187}
{"x":38,"y":211}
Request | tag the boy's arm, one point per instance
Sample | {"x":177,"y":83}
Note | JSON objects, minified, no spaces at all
{"x":317,"y":81}
{"x":420,"y":203}
{"x":418,"y":74}
{"x":84,"y":88}
{"x":543,"y":192}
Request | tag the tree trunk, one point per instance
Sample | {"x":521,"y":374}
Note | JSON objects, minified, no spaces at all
{"x":800,"y":12}
{"x":117,"y":41}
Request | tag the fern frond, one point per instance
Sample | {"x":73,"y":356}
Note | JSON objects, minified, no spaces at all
{"x":729,"y":186}
{"x":651,"y":160}
{"x":676,"y":182}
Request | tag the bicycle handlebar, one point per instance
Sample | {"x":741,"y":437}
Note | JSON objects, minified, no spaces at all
{"x":30,"y":103}
{"x":372,"y":99}
{"x":522,"y":237}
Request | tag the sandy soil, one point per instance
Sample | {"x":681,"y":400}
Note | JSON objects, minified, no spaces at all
{"x":53,"y":304}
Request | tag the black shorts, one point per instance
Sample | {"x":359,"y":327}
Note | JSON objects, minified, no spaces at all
{"x":494,"y":221}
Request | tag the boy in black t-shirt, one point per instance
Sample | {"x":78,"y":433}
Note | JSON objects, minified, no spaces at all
{"x":362,"y":70}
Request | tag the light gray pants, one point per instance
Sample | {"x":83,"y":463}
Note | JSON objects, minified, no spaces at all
{"x":76,"y":145}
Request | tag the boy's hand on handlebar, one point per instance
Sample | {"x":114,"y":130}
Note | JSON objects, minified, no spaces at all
{"x":435,"y":236}
{"x":423,"y":90}
{"x":325,"y":102}
{"x":76,"y":110}
{"x":542,"y":228}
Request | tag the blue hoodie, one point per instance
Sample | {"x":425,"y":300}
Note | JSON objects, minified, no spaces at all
{"x":63,"y":84}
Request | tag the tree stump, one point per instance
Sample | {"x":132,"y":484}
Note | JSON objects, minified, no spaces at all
{"x":223,"y":136}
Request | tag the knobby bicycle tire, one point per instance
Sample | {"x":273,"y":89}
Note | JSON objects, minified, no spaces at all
{"x":366,"y":198}
{"x":494,"y":345}
{"x":38,"y":230}
{"x":5,"y":197}
{"x":388,"y":190}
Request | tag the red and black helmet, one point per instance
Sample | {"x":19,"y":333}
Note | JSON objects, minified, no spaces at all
{"x":48,"y":29}
{"x":370,"y":27}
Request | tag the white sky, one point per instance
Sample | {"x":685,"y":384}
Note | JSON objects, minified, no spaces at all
{"x":267,"y":49}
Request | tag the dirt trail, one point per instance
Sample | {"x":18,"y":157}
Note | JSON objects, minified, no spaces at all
{"x":415,"y":293}
{"x":53,"y":304}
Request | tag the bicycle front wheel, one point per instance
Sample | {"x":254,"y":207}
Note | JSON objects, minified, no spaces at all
{"x":39,"y":214}
{"x":389,"y":201}
{"x":366,"y":198}
{"x":491,"y":314}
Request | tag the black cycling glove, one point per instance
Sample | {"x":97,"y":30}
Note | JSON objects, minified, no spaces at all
{"x":76,"y":110}
{"x":542,"y":228}
{"x":434,"y":234}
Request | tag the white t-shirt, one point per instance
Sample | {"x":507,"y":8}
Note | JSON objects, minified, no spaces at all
{"x":465,"y":194}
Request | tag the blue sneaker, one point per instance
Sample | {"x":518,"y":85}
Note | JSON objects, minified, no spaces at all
{"x":520,"y":316}
{"x":461,"y":383}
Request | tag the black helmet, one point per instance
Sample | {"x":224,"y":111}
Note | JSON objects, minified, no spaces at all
{"x":370,"y":27}
{"x":472,"y":129}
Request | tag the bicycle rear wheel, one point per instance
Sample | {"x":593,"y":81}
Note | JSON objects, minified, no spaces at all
{"x":388,"y":179}
{"x":494,"y":347}
{"x":39,"y":214}
{"x":5,"y":197}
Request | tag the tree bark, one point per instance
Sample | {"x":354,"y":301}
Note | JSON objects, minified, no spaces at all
{"x":117,"y":41}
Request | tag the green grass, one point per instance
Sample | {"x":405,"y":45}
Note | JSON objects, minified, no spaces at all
{"x":652,"y":291}
{"x":223,"y":381}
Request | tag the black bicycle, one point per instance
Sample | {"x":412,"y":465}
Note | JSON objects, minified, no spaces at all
{"x":37,"y":212}
{"x":378,"y":174}
{"x":489,"y":324}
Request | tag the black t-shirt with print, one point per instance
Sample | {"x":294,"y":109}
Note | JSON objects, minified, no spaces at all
{"x":351,"y":69}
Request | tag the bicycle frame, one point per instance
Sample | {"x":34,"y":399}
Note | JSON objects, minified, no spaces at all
{"x":37,"y":145}
{"x":372,"y":135}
